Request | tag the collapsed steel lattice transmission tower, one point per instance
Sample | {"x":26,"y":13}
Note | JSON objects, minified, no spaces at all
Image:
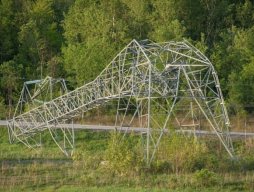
{"x":35,"y":93}
{"x":156,"y":81}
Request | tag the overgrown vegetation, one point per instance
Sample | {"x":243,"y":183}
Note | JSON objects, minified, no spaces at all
{"x":107,"y":162}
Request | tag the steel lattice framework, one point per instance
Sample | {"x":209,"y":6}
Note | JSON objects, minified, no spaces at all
{"x":154,"y":80}
{"x":35,"y":93}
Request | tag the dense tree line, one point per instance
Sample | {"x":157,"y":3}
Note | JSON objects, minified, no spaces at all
{"x":76,"y":39}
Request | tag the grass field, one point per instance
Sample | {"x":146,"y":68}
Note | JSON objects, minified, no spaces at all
{"x":47,"y":169}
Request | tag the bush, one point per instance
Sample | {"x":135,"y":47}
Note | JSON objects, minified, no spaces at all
{"x":161,"y":167}
{"x":122,"y":154}
{"x":205,"y":178}
{"x":183,"y":153}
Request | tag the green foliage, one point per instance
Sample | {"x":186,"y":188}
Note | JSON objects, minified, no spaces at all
{"x":93,"y":32}
{"x":9,"y":72}
{"x":39,"y":38}
{"x":245,"y":14}
{"x":241,"y":86}
{"x":205,"y":178}
{"x":77,"y":39}
{"x":8,"y":30}
{"x":236,"y":68}
{"x":84,"y":62}
{"x":173,"y":30}
{"x":182,"y":153}
{"x":2,"y":109}
{"x":122,"y":154}
{"x":46,"y":169}
{"x":23,"y":168}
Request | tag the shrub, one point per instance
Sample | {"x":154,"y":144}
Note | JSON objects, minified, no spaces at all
{"x":161,"y":166}
{"x":183,"y":153}
{"x":205,"y":178}
{"x":122,"y":154}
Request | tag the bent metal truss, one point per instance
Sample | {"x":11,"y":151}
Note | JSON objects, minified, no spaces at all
{"x":162,"y":84}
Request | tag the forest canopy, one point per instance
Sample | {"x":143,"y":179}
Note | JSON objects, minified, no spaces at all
{"x":77,"y":39}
